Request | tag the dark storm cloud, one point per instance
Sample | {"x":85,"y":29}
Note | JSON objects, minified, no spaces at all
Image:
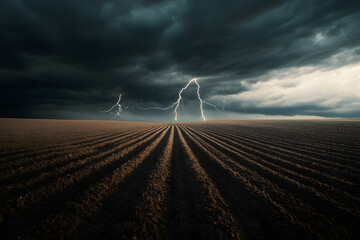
{"x":277,"y":36}
{"x":76,"y":56}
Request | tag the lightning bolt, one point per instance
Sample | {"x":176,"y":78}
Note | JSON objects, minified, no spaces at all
{"x":179,"y":100}
{"x":116,"y":105}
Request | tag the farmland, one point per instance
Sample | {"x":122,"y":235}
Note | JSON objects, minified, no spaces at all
{"x":268,"y":179}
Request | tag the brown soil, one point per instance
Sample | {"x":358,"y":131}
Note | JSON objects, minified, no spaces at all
{"x":203,"y":180}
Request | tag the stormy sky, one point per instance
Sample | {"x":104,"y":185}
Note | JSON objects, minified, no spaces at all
{"x":253,"y":58}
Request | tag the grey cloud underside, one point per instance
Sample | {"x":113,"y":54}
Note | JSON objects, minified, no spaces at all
{"x":77,"y":56}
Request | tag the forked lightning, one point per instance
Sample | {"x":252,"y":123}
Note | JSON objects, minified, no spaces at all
{"x":116,"y":105}
{"x":179,"y":100}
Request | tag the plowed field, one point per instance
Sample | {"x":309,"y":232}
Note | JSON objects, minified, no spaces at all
{"x":203,"y":180}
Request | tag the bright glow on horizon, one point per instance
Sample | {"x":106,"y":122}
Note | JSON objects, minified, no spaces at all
{"x":336,"y":89}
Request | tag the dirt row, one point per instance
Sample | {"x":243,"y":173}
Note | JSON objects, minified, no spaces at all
{"x":213,"y":180}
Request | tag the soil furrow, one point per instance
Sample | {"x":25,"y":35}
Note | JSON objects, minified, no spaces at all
{"x":47,"y":178}
{"x":283,"y":204}
{"x":285,"y":139}
{"x":300,"y":154}
{"x":137,"y":209}
{"x":64,"y":223}
{"x":47,"y":165}
{"x":292,"y":165}
{"x":51,"y":153}
{"x":322,"y":203}
{"x":313,"y":183}
{"x":213,"y":218}
{"x":72,"y":184}
{"x":223,"y":179}
{"x":31,"y":151}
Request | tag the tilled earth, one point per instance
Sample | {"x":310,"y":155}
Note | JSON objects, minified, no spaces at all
{"x":269,"y":179}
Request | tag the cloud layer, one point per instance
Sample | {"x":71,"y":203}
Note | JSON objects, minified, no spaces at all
{"x":67,"y":58}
